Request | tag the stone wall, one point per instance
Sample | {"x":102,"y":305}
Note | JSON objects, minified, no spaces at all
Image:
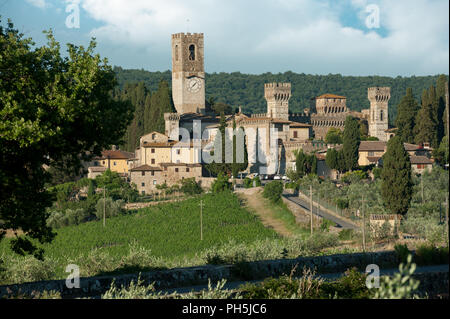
{"x":182,"y":277}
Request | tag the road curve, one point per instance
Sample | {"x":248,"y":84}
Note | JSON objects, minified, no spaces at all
{"x":305,"y":205}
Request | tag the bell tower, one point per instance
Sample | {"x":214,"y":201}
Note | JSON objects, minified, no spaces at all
{"x":277,"y":96}
{"x":378,"y":116}
{"x":188,"y":73}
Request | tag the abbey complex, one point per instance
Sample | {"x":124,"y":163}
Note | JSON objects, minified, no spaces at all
{"x":271,"y":138}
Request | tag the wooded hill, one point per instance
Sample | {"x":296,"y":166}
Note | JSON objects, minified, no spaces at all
{"x":247,"y":90}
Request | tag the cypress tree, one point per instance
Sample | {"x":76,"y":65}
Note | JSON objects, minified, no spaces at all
{"x":406,"y":117}
{"x":351,"y":141}
{"x":440,"y":95}
{"x":331,"y":158}
{"x":426,"y":127}
{"x":397,"y":186}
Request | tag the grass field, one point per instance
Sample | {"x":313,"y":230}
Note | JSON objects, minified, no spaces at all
{"x":170,"y":230}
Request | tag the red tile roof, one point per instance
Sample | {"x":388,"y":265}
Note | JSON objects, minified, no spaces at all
{"x":365,"y":146}
{"x":420,"y":160}
{"x":117,"y":154}
{"x":146,"y":167}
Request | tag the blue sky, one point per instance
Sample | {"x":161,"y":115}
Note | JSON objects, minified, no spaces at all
{"x":254,"y":36}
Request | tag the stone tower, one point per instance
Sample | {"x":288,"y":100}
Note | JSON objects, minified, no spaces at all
{"x":277,"y":96}
{"x":378,"y":114}
{"x":172,"y":124}
{"x":188,"y":73}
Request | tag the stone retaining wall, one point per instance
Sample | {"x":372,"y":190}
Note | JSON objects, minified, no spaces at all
{"x":180,"y":277}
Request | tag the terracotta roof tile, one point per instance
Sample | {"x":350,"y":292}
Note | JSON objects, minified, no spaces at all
{"x":146,"y":167}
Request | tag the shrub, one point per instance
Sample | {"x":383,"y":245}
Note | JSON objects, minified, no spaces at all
{"x":376,"y":171}
{"x":221,"y":184}
{"x":401,"y":285}
{"x":112,"y":208}
{"x":346,"y":234}
{"x":70,"y":217}
{"x":190,"y":187}
{"x":273,"y":191}
{"x":342,"y":203}
{"x":351,"y":285}
{"x":402,"y":252}
{"x":326,"y":224}
{"x":429,"y":255}
{"x":285,"y":287}
{"x":28,"y":269}
{"x":248,"y":183}
{"x":320,"y":240}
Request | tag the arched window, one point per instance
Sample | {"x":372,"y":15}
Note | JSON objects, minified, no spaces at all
{"x":381,"y":115}
{"x":176,"y":52}
{"x":192,"y":52}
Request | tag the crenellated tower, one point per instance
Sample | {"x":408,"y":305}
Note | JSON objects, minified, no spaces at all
{"x":378,"y":113}
{"x":188,"y":72}
{"x":277,"y":96}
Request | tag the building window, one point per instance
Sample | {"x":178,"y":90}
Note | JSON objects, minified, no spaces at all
{"x":103,"y":162}
{"x":187,"y":169}
{"x":153,"y":136}
{"x":153,"y":150}
{"x":95,"y":163}
{"x":142,"y":184}
{"x":176,"y":169}
{"x":192,"y":52}
{"x":153,"y":161}
{"x":295,"y":134}
{"x":371,"y":154}
{"x":154,"y":182}
{"x":178,"y":152}
{"x":114,"y":163}
{"x":143,"y":173}
{"x":176,"y":52}
{"x":153,"y":173}
{"x":381,"y":115}
{"x":165,"y":168}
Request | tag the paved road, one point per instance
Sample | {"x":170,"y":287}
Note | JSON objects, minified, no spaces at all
{"x":305,"y":205}
{"x":329,"y":277}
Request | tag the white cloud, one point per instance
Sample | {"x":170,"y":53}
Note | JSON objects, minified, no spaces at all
{"x":38,"y":3}
{"x":300,"y":35}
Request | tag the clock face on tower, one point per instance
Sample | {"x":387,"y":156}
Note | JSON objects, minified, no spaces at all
{"x":194,"y":85}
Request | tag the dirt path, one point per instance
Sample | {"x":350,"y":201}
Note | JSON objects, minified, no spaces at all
{"x":256,"y":203}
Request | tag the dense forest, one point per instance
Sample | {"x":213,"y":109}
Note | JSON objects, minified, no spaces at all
{"x":247,"y":90}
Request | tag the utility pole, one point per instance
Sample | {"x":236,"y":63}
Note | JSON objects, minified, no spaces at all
{"x":364,"y":224}
{"x":104,"y":206}
{"x":201,"y":219}
{"x":311,"y":207}
{"x":446,"y":216}
{"x":421,"y":182}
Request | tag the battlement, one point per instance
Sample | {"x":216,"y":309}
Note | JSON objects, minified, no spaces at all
{"x":277,"y":85}
{"x":187,"y":35}
{"x":277,"y":91}
{"x":258,"y":115}
{"x":379,"y":94}
{"x":171,"y":116}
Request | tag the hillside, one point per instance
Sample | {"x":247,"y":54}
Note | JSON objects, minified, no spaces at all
{"x":247,"y":90}
{"x":170,"y":231}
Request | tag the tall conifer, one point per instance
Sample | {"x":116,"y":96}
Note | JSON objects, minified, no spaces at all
{"x":397,"y":186}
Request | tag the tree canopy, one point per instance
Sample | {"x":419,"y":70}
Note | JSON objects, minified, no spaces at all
{"x":397,"y":186}
{"x":351,"y":141}
{"x":406,"y":117}
{"x":53,"y":110}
